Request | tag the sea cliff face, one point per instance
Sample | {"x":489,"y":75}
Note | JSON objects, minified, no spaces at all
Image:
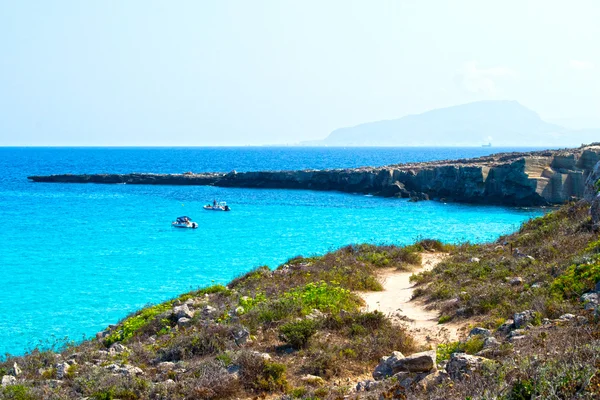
{"x":521,"y":179}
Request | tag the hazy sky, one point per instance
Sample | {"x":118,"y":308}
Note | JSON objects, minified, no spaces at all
{"x":255,"y":72}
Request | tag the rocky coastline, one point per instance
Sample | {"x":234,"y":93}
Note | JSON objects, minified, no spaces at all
{"x":536,"y":178}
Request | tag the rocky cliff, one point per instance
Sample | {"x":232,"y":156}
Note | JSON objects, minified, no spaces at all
{"x":523,"y":179}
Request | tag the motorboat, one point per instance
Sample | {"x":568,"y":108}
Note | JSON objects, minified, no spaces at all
{"x":221,"y":206}
{"x":184,"y":222}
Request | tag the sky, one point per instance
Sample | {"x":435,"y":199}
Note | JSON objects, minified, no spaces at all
{"x":238,"y":72}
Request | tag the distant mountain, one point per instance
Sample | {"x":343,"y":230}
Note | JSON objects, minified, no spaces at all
{"x":501,"y":123}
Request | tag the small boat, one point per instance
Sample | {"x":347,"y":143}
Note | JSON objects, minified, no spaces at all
{"x":184,"y":222}
{"x":221,"y":206}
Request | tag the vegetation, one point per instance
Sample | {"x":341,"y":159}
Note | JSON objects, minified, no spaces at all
{"x":552,"y":258}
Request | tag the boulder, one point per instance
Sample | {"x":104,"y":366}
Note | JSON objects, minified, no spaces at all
{"x":183,"y":322}
{"x":516,"y":281}
{"x":183,"y":311}
{"x":524,"y":318}
{"x":102,"y":335}
{"x":241,"y":336}
{"x":125,"y":369}
{"x":478,"y":331}
{"x":62,"y":369}
{"x":367,"y":386}
{"x":567,"y":317}
{"x":264,"y":356}
{"x":506,"y":326}
{"x":418,"y":362}
{"x":384,"y":368}
{"x":490,"y":342}
{"x":15,"y":370}
{"x":117,"y":348}
{"x":517,"y":338}
{"x":208,"y":311}
{"x":165,"y":366}
{"x":8,"y":380}
{"x":312,"y":380}
{"x":462,"y":364}
{"x":430,"y":381}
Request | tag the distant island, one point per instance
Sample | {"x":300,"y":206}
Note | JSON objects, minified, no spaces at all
{"x":482,"y":123}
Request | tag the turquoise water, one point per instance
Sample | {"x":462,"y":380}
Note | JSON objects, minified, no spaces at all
{"x":79,"y":257}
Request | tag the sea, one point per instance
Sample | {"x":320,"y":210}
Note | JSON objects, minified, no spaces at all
{"x":78,"y":257}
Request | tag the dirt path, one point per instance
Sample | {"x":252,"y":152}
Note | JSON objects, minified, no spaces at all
{"x":395,"y":301}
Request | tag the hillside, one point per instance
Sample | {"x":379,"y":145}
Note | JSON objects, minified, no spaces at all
{"x":502,"y":123}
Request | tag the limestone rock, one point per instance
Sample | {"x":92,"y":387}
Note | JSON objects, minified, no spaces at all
{"x":8,"y":380}
{"x":183,"y":311}
{"x":591,"y":190}
{"x":506,"y":326}
{"x":462,"y":364}
{"x":430,"y":381}
{"x":516,"y":281}
{"x":165,"y":366}
{"x":367,"y":386}
{"x":490,"y":342}
{"x":264,"y":356}
{"x":241,"y":336}
{"x":567,"y":317}
{"x":183,"y":321}
{"x":480,"y":331}
{"x":524,"y":318}
{"x":62,"y":369}
{"x":312,"y":380}
{"x":117,"y":348}
{"x":384,"y":368}
{"x":15,"y":370}
{"x":125,"y":369}
{"x":102,"y":335}
{"x":208,"y":311}
{"x":418,"y":362}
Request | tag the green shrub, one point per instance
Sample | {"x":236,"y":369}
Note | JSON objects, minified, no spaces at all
{"x":258,"y":374}
{"x":576,"y":280}
{"x":131,"y":325}
{"x":444,"y":318}
{"x":297,"y":334}
{"x":522,"y":390}
{"x":16,"y":392}
{"x":445,"y":350}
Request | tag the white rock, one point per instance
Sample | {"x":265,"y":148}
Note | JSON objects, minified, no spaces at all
{"x":15,"y":370}
{"x":117,"y":348}
{"x":183,"y":311}
{"x":8,"y":380}
{"x":462,"y":364}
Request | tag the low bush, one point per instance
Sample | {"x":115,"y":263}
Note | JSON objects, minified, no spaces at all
{"x":128,"y":327}
{"x":297,"y":334}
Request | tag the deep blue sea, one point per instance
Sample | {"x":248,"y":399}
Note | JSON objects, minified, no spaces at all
{"x":76,"y":258}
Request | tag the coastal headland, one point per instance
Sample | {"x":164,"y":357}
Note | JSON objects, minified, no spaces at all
{"x":535,"y":178}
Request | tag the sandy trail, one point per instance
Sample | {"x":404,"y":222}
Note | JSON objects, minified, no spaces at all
{"x":395,"y":301}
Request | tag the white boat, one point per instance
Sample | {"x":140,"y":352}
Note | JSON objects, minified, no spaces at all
{"x":221,"y":206}
{"x":184,"y":222}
